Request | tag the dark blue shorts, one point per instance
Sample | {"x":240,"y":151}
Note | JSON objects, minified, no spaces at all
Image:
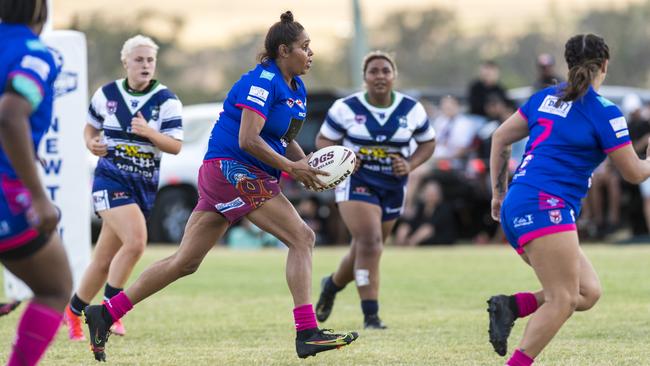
{"x":528,"y":213}
{"x":109,"y":192}
{"x":15,"y":208}
{"x":391,"y":201}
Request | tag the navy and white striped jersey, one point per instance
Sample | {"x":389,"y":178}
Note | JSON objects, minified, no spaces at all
{"x":377,"y":133}
{"x":132,"y":158}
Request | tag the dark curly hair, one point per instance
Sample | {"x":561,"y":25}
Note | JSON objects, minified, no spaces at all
{"x":286,"y":31}
{"x":23,"y":11}
{"x":585,"y":54}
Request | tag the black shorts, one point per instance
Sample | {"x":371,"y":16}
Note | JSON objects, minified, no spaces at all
{"x":25,"y":250}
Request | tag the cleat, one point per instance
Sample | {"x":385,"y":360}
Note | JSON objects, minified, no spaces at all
{"x":73,"y":321}
{"x":373,"y":322}
{"x":325,"y":302}
{"x":323,"y":340}
{"x":118,"y":328}
{"x":6,"y":308}
{"x":502,"y":319}
{"x":99,"y":330}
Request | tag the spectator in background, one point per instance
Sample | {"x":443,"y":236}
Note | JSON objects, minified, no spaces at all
{"x":639,"y":128}
{"x":433,"y":222}
{"x":455,"y":133}
{"x":248,"y":236}
{"x":486,"y":84}
{"x":546,"y":72}
{"x":308,"y":209}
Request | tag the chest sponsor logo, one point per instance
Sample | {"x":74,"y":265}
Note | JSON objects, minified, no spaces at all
{"x":551,"y":105}
{"x":522,"y":221}
{"x":258,"y":92}
{"x":555,"y":216}
{"x":300,"y":104}
{"x":360,"y":119}
{"x":618,"y":124}
{"x":224,"y":207}
{"x":403,"y":122}
{"x":290,"y":102}
{"x":111,"y":107}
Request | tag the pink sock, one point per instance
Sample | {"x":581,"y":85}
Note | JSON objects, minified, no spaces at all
{"x":36,"y":329}
{"x":520,"y":359}
{"x":304,"y":317}
{"x":118,"y":305}
{"x":526,"y":303}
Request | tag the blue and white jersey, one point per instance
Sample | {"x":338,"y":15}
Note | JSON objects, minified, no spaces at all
{"x":133,"y":159}
{"x":263,"y":91}
{"x":568,"y":141}
{"x":27,"y":68}
{"x":377,"y":133}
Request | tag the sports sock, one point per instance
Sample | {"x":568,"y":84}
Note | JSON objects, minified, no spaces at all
{"x":110,"y":291}
{"x":526,"y":303}
{"x":116,"y":307}
{"x":520,"y":359}
{"x":369,"y":307}
{"x":330,"y":287}
{"x":304,"y":317}
{"x":36,"y":329}
{"x":77,"y":305}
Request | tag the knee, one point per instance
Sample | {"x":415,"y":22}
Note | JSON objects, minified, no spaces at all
{"x":135,"y":246}
{"x":589,"y":296}
{"x":564,"y":301}
{"x":370,"y":246}
{"x":185,"y":266}
{"x":304,"y":239}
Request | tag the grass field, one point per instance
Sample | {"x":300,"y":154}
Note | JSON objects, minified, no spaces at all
{"x":236,"y":310}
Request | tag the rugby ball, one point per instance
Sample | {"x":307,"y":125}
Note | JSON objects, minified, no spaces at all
{"x":337,"y":160}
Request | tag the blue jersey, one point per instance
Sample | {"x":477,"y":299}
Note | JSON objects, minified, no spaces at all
{"x":568,"y":141}
{"x":264,"y":91}
{"x":28,"y":69}
{"x":377,"y":133}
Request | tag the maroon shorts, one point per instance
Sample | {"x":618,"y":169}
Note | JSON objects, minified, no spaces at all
{"x":233,"y":189}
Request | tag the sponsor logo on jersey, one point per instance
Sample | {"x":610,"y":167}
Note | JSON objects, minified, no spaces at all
{"x":604,"y":101}
{"x":155,"y":113}
{"x":361,"y":190}
{"x":523,"y":220}
{"x":381,"y":138}
{"x":290,"y":102}
{"x":224,"y":207}
{"x":120,"y":195}
{"x":134,"y":103}
{"x":573,"y":215}
{"x":620,"y":134}
{"x":402,"y":122}
{"x":111,"y":106}
{"x":35,"y":45}
{"x":526,"y":160}
{"x":555,"y":216}
{"x":300,"y":104}
{"x":393,"y":210}
{"x":552,"y":105}
{"x":37,"y":65}
{"x":255,"y":100}
{"x":618,"y":124}
{"x":258,"y":92}
{"x":267,"y":75}
{"x":360,"y":119}
{"x":4,"y":227}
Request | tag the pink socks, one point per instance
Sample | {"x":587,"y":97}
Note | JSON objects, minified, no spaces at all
{"x":118,"y":305}
{"x":36,"y":329}
{"x":304,"y":317}
{"x":526,"y":303}
{"x":519,"y":359}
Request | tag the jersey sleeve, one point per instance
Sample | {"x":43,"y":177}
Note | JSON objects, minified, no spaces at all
{"x":257,"y":93}
{"x":611,"y":129}
{"x":31,"y":75}
{"x":524,"y":110}
{"x":96,"y":110}
{"x":333,"y":128}
{"x":171,"y":118}
{"x":424,"y":131}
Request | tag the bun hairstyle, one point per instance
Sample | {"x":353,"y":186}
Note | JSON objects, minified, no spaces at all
{"x":284,"y":32}
{"x":23,"y":11}
{"x":585,"y":55}
{"x":374,"y":55}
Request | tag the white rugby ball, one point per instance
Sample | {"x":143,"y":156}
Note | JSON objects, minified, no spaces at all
{"x":337,"y":160}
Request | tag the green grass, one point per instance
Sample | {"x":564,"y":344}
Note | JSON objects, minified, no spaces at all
{"x":236,"y":310}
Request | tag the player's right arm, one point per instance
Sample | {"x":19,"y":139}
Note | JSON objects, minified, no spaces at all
{"x":22,"y":96}
{"x":633,"y":169}
{"x":513,"y":129}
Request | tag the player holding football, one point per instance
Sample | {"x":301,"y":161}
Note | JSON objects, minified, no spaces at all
{"x":572,"y":129}
{"x":262,"y":115}
{"x":30,"y":247}
{"x":378,"y":125}
{"x":140,"y":119}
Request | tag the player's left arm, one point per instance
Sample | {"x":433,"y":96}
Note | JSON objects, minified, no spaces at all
{"x":294,"y":151}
